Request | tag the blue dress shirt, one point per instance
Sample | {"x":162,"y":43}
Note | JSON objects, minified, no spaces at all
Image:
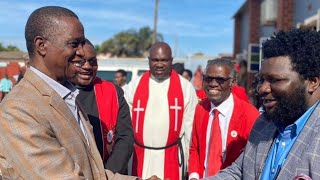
{"x":283,"y":144}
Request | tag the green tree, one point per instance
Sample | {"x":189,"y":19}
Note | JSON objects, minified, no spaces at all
{"x":2,"y":48}
{"x":129,"y":43}
{"x":97,"y":48}
{"x":198,"y":54}
{"x":12,"y":48}
{"x":145,"y":39}
{"x":8,"y":48}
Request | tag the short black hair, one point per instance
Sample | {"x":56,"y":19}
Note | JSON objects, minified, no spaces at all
{"x":223,"y":62}
{"x":188,"y":72}
{"x":42,"y":22}
{"x":301,"y":46}
{"x":178,"y":67}
{"x":122,"y":72}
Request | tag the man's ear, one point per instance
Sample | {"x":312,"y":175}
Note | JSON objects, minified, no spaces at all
{"x":313,"y":84}
{"x":40,"y":45}
{"x":233,"y":81}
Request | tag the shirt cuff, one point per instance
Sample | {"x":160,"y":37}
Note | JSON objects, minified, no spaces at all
{"x":194,"y":175}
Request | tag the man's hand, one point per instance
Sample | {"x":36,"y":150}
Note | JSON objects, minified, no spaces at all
{"x":154,"y":177}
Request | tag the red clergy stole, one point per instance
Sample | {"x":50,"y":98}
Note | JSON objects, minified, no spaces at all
{"x":108,"y":107}
{"x":176,"y":109}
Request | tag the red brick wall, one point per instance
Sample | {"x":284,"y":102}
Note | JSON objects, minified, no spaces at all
{"x":285,"y":15}
{"x":3,"y":71}
{"x":254,"y":21}
{"x":11,"y":70}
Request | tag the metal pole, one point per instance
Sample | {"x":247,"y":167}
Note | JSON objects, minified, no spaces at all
{"x":155,"y":21}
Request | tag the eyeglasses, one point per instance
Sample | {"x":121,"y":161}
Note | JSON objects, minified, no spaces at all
{"x":79,"y":64}
{"x":219,"y":80}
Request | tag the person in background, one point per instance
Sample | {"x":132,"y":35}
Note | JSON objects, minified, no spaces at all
{"x":284,"y":142}
{"x":222,"y":122}
{"x":120,"y":78}
{"x":242,"y":79}
{"x":21,"y":74}
{"x":107,"y":111}
{"x":187,"y":74}
{"x":197,"y":78}
{"x":178,"y":67}
{"x":5,"y":86}
{"x":162,"y":104}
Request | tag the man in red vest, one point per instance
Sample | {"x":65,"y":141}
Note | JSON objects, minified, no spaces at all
{"x":108,"y":113}
{"x":222,"y":122}
{"x":162,"y":104}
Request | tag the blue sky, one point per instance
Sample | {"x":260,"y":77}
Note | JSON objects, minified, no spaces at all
{"x":189,"y":26}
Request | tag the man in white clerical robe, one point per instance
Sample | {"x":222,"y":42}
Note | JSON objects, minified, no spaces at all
{"x":162,"y":105}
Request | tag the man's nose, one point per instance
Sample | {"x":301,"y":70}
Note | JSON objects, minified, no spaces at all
{"x":160,"y":65}
{"x":264,"y":88}
{"x":80,"y":51}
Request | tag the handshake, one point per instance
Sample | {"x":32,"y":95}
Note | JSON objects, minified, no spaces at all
{"x":154,"y":177}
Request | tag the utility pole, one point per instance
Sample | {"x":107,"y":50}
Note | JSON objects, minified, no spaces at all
{"x":176,"y":47}
{"x":155,"y":21}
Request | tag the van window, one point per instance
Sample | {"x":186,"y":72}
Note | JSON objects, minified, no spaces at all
{"x":140,"y":72}
{"x":109,"y":75}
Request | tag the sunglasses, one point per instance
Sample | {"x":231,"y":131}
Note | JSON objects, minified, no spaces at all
{"x":79,"y":64}
{"x":219,"y":80}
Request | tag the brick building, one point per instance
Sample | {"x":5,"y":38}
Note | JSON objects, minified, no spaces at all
{"x":12,"y":64}
{"x":257,"y":20}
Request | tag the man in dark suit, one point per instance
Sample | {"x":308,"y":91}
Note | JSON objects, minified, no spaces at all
{"x":284,"y":142}
{"x":107,"y":110}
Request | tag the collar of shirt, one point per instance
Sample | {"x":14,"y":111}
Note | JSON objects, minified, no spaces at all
{"x":286,"y":137}
{"x":297,"y":126}
{"x":63,"y":90}
{"x":224,"y":107}
{"x":74,"y":91}
{"x":157,"y":80}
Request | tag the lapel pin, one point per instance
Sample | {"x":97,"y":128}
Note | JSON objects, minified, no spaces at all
{"x":234,"y":133}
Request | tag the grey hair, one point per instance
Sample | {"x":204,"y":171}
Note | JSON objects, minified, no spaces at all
{"x":223,"y":62}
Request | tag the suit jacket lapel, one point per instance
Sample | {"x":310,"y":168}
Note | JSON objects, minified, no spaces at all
{"x":55,"y":100}
{"x":59,"y":104}
{"x":301,"y":144}
{"x":93,"y":150}
{"x":61,"y":107}
{"x":267,"y":136}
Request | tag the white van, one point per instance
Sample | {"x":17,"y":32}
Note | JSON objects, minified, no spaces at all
{"x":133,"y":66}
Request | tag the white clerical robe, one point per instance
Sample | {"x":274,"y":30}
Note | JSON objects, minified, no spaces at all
{"x":156,"y":122}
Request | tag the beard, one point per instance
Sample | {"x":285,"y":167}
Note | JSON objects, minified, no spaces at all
{"x":290,"y":107}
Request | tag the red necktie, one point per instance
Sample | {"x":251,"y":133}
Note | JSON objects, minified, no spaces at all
{"x":215,"y":146}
